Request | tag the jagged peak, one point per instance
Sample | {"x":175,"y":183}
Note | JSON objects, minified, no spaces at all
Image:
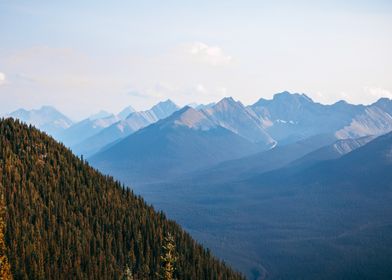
{"x":383,"y":100}
{"x":227,"y":102}
{"x":189,"y":117}
{"x":167,"y":102}
{"x":124,"y":113}
{"x":285,"y":96}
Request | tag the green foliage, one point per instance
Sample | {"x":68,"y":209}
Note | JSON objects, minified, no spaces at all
{"x":65,"y":220}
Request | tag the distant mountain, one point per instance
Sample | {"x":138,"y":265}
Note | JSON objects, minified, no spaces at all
{"x":204,"y":106}
{"x":185,"y":141}
{"x":335,"y":216}
{"x":290,"y":117}
{"x":259,"y":163}
{"x":364,"y":167}
{"x":384,"y":104}
{"x":84,"y":129}
{"x":46,"y":118}
{"x":303,"y":153}
{"x":333,"y":151}
{"x":65,"y":220}
{"x":100,"y":115}
{"x":367,"y":164}
{"x":237,"y":118}
{"x":374,"y":120}
{"x":328,"y":219}
{"x":124,"y":127}
{"x":164,"y":109}
{"x":126,"y":112}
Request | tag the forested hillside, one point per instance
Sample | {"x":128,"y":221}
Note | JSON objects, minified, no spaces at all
{"x":64,"y":220}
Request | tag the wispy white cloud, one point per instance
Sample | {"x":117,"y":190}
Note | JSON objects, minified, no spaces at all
{"x":213,"y":55}
{"x":2,"y":78}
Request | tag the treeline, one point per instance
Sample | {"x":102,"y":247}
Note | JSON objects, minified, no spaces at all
{"x":65,"y":220}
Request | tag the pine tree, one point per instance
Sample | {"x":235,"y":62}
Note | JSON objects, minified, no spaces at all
{"x":5,"y":268}
{"x":127,"y":274}
{"x":168,"y":258}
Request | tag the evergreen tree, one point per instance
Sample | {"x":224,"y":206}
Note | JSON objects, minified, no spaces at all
{"x":5,"y":268}
{"x":128,"y":274}
{"x":168,"y":258}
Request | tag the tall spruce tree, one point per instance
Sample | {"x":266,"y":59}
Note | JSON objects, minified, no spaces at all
{"x":168,"y":258}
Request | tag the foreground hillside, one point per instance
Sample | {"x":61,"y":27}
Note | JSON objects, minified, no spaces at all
{"x":67,"y":221}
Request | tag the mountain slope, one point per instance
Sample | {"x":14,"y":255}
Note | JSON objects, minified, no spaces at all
{"x":185,"y":141}
{"x":67,"y":221}
{"x":334,"y":216}
{"x":258,"y":163}
{"x":372,"y":121}
{"x":333,"y":151}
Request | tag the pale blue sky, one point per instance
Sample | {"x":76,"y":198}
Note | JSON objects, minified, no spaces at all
{"x":83,"y":56}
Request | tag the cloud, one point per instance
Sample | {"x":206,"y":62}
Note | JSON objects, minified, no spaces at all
{"x":2,"y":78}
{"x":213,"y":55}
{"x":378,"y":92}
{"x":200,"y":88}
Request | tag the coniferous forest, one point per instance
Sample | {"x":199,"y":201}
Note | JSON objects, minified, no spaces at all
{"x":65,"y":220}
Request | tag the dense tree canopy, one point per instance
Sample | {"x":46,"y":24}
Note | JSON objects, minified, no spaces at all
{"x":65,"y":220}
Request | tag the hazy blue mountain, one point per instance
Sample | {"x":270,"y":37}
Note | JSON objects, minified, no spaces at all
{"x":185,"y":141}
{"x":100,"y":115}
{"x":124,"y":127}
{"x":126,"y":112}
{"x":329,"y":220}
{"x":164,"y":109}
{"x":384,"y":104}
{"x":84,"y":129}
{"x":205,"y":106}
{"x":333,"y":151}
{"x":290,"y":117}
{"x":46,"y":118}
{"x":372,"y":121}
{"x":235,"y":117}
{"x":259,"y":163}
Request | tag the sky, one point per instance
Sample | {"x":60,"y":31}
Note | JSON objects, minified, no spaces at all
{"x":86,"y":56}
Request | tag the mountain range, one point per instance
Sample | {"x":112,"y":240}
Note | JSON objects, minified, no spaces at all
{"x":290,"y":125}
{"x":285,"y":188}
{"x":286,"y":118}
